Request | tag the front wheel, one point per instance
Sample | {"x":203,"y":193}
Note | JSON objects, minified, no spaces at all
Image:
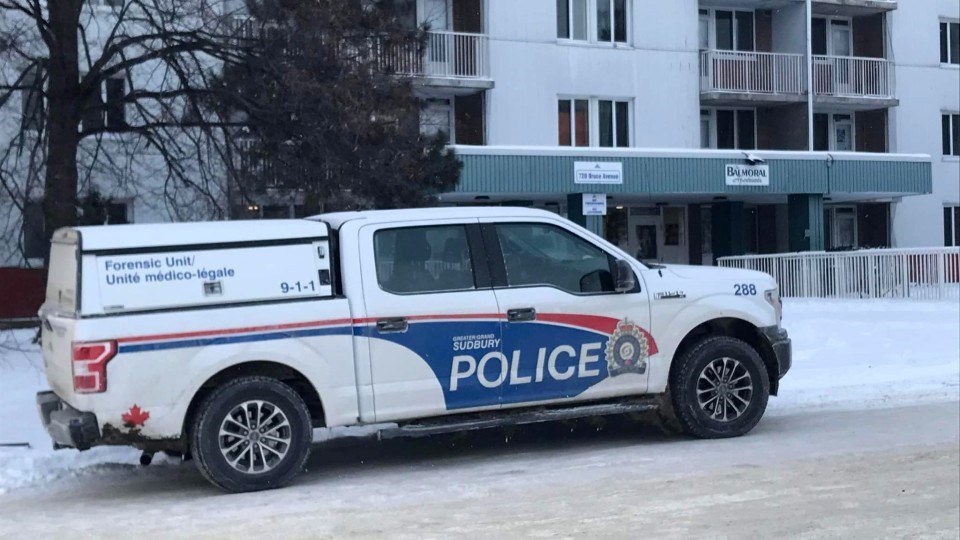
{"x":250,"y":434}
{"x":719,"y":388}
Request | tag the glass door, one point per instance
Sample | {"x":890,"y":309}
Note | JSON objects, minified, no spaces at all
{"x":842,"y":49}
{"x":843,"y":133}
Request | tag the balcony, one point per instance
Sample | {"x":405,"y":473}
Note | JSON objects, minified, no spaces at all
{"x":455,"y":63}
{"x":742,"y":76}
{"x":853,"y":80}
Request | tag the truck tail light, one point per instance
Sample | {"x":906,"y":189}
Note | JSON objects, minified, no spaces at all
{"x":90,"y":365}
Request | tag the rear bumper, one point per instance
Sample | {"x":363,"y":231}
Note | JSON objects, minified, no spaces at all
{"x":67,"y":426}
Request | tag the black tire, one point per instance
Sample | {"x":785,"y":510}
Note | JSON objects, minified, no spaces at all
{"x":273,"y":471}
{"x":701,"y":399}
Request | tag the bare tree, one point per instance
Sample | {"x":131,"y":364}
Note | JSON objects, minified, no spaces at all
{"x":115,"y":92}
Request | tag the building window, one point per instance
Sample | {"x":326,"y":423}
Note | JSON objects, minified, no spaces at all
{"x":949,"y":42}
{"x":703,"y":29}
{"x":614,"y":123}
{"x":950,"y":127}
{"x":105,"y":107}
{"x":842,"y":228}
{"x":833,"y":132}
{"x":610,"y":129}
{"x":34,"y":239}
{"x":704,"y":128}
{"x":951,"y":225}
{"x":435,"y":118}
{"x":831,"y":36}
{"x":732,"y":128}
{"x":32,"y":100}
{"x":600,"y":21}
{"x":733,"y":30}
{"x":574,"y":122}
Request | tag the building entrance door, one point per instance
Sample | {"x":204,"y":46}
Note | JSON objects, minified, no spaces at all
{"x":643,"y":227}
{"x":673,"y":235}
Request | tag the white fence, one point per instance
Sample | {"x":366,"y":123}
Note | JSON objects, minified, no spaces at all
{"x":852,"y":76}
{"x":752,"y":72}
{"x":916,"y":274}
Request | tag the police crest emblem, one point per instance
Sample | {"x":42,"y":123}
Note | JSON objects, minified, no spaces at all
{"x":627,"y":349}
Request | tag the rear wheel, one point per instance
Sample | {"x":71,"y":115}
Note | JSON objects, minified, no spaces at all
{"x":719,"y":388}
{"x":250,"y":434}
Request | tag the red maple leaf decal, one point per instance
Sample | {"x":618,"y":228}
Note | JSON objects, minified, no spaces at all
{"x":135,"y":417}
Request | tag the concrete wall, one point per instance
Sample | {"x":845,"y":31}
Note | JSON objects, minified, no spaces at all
{"x":926,"y":90}
{"x":658,"y":70}
{"x":790,"y":29}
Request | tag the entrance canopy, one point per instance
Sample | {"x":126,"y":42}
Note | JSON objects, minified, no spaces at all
{"x":730,"y":201}
{"x":495,"y":171}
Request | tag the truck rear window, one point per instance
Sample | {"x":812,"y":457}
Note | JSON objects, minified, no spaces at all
{"x":61,"y":295}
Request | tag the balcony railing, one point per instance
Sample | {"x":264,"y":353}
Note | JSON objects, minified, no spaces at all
{"x":447,"y":55}
{"x":852,"y":76}
{"x":752,"y":72}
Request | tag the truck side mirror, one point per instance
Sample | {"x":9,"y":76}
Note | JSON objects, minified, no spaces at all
{"x":624,"y":277}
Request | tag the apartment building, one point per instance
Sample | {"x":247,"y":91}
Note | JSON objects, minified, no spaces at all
{"x":668,"y":96}
{"x":679,"y":102}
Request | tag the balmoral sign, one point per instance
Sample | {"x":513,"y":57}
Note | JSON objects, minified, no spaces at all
{"x":747,"y":175}
{"x":597,"y":172}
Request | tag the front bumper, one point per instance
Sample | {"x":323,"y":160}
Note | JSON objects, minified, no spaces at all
{"x":67,"y":426}
{"x":782,"y":347}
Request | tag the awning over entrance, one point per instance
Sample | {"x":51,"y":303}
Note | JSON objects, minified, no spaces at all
{"x":557,"y":170}
{"x":696,"y":205}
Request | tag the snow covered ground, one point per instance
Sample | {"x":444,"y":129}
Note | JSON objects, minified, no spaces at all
{"x":848,"y":355}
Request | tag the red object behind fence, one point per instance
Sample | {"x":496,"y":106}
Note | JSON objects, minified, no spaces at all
{"x":21,"y":292}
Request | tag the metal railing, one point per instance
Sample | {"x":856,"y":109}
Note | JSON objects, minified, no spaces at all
{"x":451,"y":55}
{"x":911,"y":273}
{"x":852,"y":76}
{"x":752,"y":72}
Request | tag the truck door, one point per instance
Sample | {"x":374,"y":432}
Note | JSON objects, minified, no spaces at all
{"x":431,"y":319}
{"x":567,"y":333}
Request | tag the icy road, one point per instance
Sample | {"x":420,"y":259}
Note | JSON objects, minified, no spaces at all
{"x":863,"y":442}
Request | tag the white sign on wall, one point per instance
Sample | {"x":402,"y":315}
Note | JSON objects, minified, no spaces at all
{"x":598,"y":172}
{"x":594,"y":204}
{"x":747,"y":175}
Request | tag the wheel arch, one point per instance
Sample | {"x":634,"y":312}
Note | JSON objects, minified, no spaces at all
{"x":263,"y":368}
{"x":735,"y":328}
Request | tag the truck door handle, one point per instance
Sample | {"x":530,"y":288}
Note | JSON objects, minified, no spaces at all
{"x":521,"y":314}
{"x":396,"y":324}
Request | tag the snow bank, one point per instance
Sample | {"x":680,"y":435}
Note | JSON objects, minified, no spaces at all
{"x":852,"y":354}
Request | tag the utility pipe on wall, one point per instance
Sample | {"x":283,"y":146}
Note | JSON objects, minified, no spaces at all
{"x":809,"y":26}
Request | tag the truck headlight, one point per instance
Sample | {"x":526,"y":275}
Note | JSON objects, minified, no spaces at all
{"x":773,"y":298}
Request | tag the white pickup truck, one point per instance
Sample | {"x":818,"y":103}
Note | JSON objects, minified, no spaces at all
{"x":230,"y":341}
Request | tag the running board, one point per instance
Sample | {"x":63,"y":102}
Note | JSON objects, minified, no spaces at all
{"x":487,"y":420}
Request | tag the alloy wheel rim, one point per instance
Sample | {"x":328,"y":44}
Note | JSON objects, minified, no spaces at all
{"x":724,"y":389}
{"x":255,"y":437}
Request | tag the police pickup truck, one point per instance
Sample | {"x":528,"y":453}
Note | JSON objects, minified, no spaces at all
{"x":230,"y":341}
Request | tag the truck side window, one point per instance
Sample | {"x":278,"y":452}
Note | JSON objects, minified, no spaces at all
{"x":539,"y":254}
{"x":423,"y":259}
